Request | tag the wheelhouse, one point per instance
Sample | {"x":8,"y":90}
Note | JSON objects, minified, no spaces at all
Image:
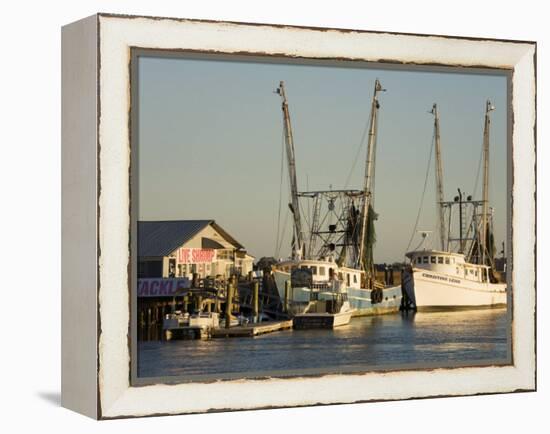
{"x":450,"y":264}
{"x":324,"y":271}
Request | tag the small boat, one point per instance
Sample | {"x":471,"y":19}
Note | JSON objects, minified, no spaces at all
{"x":326,"y":309}
{"x":466,"y":277}
{"x":190,"y":326}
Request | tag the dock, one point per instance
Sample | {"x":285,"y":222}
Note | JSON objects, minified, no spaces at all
{"x":251,"y":330}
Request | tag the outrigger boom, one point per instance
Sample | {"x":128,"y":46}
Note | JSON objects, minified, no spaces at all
{"x":298,"y":244}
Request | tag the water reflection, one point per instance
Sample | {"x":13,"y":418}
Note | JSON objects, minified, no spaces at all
{"x":390,"y":340}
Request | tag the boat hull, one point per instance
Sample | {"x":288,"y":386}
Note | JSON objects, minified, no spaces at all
{"x":361,"y":300}
{"x":321,"y":320}
{"x":435,"y":291}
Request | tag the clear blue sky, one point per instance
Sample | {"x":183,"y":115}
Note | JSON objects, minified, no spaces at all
{"x":210,"y":143}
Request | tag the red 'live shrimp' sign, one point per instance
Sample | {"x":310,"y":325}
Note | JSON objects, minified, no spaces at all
{"x":195,"y":256}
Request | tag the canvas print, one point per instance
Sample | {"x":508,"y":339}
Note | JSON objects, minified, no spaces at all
{"x":303,"y":218}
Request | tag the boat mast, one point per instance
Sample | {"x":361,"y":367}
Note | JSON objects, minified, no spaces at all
{"x":298,"y":244}
{"x":484,"y":221}
{"x":439,"y":178}
{"x":369,"y":171}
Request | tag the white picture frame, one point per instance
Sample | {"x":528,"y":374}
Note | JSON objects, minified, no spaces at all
{"x":96,"y":160}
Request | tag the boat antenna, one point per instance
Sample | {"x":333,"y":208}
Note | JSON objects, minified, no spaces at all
{"x":424,"y":235}
{"x":298,"y":239}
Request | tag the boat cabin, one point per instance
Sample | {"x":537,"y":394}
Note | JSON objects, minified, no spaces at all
{"x":324,"y":271}
{"x":449,"y":264}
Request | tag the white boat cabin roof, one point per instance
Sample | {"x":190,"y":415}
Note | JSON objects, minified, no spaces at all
{"x":458,"y":257}
{"x":329,"y":262}
{"x":418,"y":257}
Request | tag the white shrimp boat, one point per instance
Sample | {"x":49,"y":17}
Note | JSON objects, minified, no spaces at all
{"x":465,"y":279}
{"x":444,"y":280}
{"x":330,"y":275}
{"x":325,"y":274}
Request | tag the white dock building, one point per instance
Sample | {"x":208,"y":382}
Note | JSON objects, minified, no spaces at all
{"x":179,"y":248}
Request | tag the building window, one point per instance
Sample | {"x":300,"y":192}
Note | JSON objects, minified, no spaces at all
{"x":425,"y":260}
{"x":313,"y":269}
{"x":440,"y":259}
{"x":447,"y":261}
{"x":355,"y":278}
{"x":432,"y":259}
{"x":321,"y":271}
{"x":224,"y":254}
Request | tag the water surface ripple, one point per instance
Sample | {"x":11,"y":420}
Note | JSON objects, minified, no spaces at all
{"x":391,"y":341}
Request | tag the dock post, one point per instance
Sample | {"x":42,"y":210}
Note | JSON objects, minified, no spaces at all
{"x":235,"y":282}
{"x":228,"y":304}
{"x":287,"y":295}
{"x":255,"y":301}
{"x":142,"y":318}
{"x":186,"y":303}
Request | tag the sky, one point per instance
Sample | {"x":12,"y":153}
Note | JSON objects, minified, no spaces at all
{"x":210,"y":143}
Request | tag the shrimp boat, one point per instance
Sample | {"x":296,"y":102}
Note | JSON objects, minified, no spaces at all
{"x":439,"y":279}
{"x":330,"y":275}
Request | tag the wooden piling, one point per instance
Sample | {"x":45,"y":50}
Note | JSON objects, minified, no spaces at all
{"x":228,"y":304}
{"x":255,"y":301}
{"x":199,"y":303}
{"x":185,"y":304}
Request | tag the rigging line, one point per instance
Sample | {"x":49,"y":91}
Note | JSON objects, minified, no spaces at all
{"x":280,"y":192}
{"x":278,"y":252}
{"x":418,"y":246}
{"x":471,"y":211}
{"x":306,"y":217}
{"x":359,"y":148}
{"x":423,"y":194}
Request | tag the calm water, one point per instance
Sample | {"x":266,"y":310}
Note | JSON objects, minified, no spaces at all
{"x":389,"y":341}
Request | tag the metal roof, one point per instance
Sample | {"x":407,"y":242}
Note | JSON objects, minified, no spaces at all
{"x":161,"y":238}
